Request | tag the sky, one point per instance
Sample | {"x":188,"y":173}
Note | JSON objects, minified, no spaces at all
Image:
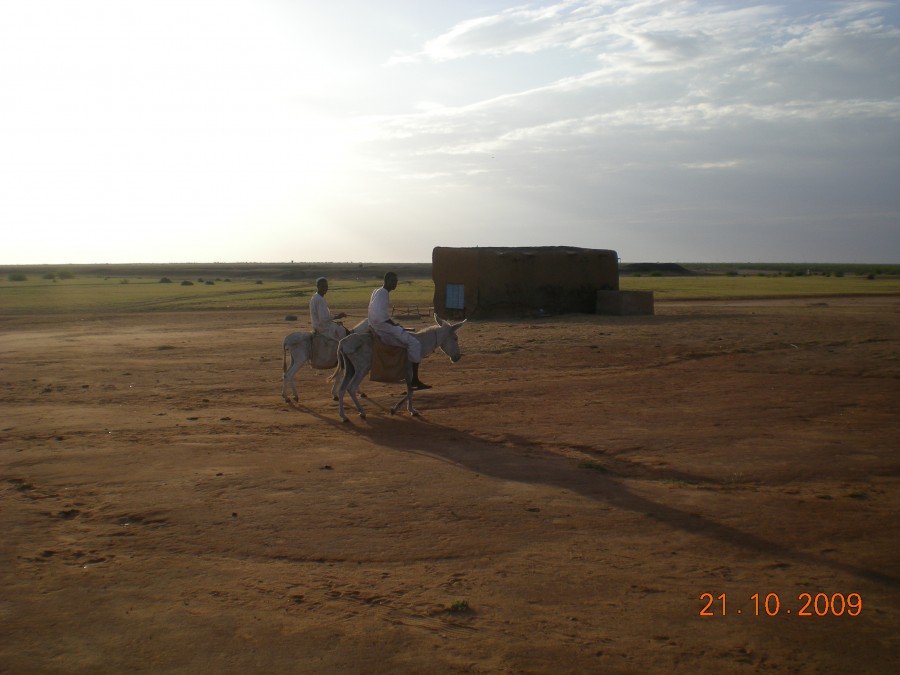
{"x":355,"y":130}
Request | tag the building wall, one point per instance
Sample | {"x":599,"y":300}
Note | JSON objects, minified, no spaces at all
{"x":522,"y":280}
{"x":458,"y":266}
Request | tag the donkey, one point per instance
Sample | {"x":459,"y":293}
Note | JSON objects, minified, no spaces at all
{"x":299,"y":345}
{"x":355,"y":360}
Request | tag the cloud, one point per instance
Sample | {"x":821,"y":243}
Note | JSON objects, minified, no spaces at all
{"x":693,"y":68}
{"x":673,"y":117}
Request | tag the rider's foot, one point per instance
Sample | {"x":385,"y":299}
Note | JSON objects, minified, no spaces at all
{"x":416,"y":383}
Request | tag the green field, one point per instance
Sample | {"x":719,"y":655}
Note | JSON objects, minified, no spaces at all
{"x":45,"y":290}
{"x":767,"y":286}
{"x":149,"y":295}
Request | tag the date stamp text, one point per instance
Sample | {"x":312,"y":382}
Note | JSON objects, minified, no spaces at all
{"x":771,"y":604}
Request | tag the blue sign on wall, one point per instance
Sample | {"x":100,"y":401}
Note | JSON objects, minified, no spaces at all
{"x":456,"y":294}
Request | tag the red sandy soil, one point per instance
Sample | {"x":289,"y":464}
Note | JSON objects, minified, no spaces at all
{"x":575,"y":485}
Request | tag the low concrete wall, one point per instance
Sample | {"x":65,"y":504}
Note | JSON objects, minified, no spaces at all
{"x":625,"y":303}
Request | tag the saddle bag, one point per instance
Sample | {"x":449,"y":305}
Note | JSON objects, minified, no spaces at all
{"x":388,"y":362}
{"x":324,"y":352}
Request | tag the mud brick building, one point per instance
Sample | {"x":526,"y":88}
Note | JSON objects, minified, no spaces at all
{"x":521,"y":281}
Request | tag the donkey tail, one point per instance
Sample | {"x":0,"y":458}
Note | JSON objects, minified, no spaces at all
{"x":339,"y":367}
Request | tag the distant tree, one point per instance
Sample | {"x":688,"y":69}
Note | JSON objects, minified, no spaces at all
{"x":17,"y":276}
{"x":165,"y":280}
{"x":187,"y":283}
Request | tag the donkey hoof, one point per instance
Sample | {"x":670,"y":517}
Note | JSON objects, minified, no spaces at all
{"x":363,"y":394}
{"x":362,"y":415}
{"x":344,"y":419}
{"x":414,"y":413}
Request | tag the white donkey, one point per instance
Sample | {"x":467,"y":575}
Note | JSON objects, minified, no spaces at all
{"x":299,"y":345}
{"x":355,"y":360}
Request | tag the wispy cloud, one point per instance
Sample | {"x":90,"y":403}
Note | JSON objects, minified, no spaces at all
{"x":663,"y":91}
{"x":663,"y":66}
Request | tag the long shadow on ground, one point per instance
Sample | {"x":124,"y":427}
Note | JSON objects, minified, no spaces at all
{"x":509,"y":459}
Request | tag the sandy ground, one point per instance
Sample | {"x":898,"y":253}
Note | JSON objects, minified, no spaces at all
{"x":573,"y":488}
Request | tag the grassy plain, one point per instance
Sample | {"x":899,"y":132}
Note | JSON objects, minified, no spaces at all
{"x":115,"y":294}
{"x":97,"y":294}
{"x":727,"y":287}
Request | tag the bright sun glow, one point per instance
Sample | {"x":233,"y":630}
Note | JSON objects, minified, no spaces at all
{"x":162,"y":118}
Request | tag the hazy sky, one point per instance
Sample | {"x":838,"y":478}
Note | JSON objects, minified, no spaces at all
{"x":363,"y":130}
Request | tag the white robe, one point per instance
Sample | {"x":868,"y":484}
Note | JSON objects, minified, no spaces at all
{"x":321,"y":319}
{"x":397,"y":336}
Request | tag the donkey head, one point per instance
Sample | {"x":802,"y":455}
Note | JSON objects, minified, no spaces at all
{"x":448,"y":340}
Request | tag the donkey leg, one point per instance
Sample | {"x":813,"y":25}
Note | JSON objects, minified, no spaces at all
{"x":289,"y":374}
{"x":350,"y":383}
{"x":407,"y":399}
{"x":409,"y":393}
{"x":340,"y":399}
{"x":409,"y":406}
{"x":342,"y":389}
{"x":284,"y":376}
{"x":354,"y":388}
{"x":396,"y":406}
{"x":336,"y":377}
{"x":359,"y":408}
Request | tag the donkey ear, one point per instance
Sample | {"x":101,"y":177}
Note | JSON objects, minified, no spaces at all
{"x":457,"y":326}
{"x":439,"y":321}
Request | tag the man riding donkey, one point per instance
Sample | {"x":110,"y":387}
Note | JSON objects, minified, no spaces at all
{"x":320,"y":316}
{"x":318,"y":348}
{"x":392,"y":333}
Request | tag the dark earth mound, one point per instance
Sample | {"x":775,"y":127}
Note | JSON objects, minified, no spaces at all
{"x":664,"y":269}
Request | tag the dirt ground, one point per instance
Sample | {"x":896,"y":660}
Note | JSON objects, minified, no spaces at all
{"x":573,"y":488}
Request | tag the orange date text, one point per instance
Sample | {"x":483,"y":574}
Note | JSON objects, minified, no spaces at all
{"x":771,"y":604}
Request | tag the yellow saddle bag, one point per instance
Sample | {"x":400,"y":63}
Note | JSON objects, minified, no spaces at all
{"x":388,"y":362}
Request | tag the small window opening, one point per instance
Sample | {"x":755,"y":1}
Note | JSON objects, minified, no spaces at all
{"x":456,"y":294}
